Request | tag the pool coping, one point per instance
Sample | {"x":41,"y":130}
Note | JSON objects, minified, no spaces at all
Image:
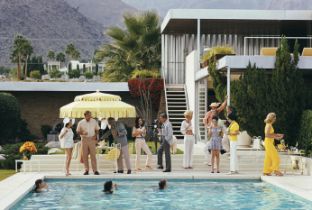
{"x":13,"y":195}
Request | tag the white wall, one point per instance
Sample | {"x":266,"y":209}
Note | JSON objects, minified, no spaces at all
{"x":190,"y":67}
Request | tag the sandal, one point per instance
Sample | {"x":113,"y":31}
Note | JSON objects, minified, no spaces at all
{"x":267,"y":174}
{"x":278,"y":173}
{"x":149,"y":167}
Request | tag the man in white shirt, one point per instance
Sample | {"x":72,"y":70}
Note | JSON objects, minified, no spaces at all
{"x":88,"y":129}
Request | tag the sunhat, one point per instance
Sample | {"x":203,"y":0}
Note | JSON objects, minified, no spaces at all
{"x":214,"y":104}
{"x":67,"y":120}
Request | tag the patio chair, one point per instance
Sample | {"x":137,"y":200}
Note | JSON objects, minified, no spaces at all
{"x":307,"y":51}
{"x":268,"y":51}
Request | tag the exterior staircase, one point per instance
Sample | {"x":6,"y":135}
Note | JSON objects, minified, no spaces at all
{"x":176,"y":106}
{"x":202,"y":109}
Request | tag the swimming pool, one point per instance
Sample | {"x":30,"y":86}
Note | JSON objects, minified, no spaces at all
{"x":180,"y":194}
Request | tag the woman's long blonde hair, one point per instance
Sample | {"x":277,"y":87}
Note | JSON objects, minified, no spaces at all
{"x":270,"y":117}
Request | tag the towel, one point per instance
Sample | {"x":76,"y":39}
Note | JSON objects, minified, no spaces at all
{"x":76,"y":150}
{"x":113,"y":154}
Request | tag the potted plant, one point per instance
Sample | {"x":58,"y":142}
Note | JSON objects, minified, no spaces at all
{"x":216,"y":53}
{"x":27,"y":149}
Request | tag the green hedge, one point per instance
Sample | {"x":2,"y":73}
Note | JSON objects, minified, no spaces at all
{"x":11,"y":152}
{"x":9,"y":118}
{"x":305,"y":134}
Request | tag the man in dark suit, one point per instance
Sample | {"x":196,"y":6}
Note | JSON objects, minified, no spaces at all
{"x":166,"y":134}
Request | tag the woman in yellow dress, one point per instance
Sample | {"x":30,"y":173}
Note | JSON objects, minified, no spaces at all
{"x":271,"y":159}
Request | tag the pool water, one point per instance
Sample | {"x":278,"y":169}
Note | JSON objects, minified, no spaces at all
{"x":180,"y":194}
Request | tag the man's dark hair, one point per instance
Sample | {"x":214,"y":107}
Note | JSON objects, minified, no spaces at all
{"x":162,"y":184}
{"x":163,"y":115}
{"x":110,"y":120}
{"x":108,"y":186}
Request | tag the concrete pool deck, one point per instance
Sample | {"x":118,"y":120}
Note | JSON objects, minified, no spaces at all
{"x":17,"y":186}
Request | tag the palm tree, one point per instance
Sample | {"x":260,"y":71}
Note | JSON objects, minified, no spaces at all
{"x":21,"y":51}
{"x":51,"y":55}
{"x":60,"y":57}
{"x":135,"y":47}
{"x":72,"y":52}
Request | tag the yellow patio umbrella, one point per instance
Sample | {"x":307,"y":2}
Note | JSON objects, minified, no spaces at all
{"x":101,"y":105}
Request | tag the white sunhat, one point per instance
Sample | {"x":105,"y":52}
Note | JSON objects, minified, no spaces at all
{"x":67,"y":120}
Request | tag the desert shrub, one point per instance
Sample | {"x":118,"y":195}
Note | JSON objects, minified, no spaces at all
{"x":35,"y":74}
{"x":88,"y":75}
{"x":74,"y":73}
{"x":54,"y":73}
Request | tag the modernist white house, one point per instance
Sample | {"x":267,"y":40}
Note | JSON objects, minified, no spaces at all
{"x":187,"y":32}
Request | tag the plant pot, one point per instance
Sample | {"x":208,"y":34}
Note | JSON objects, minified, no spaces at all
{"x":243,"y":140}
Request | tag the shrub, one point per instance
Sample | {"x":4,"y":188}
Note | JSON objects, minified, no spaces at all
{"x":4,"y":70}
{"x":147,"y":92}
{"x":88,"y":75}
{"x":305,"y":133}
{"x":23,"y":132}
{"x":45,"y":129}
{"x":35,"y":74}
{"x":74,"y":73}
{"x":145,"y":74}
{"x":223,"y":50}
{"x":9,"y":118}
{"x":54,"y":73}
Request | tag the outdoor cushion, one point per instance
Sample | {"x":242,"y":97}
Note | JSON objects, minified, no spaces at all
{"x":2,"y":157}
{"x":55,"y":151}
{"x":268,"y":51}
{"x":53,"y":144}
{"x":307,"y":51}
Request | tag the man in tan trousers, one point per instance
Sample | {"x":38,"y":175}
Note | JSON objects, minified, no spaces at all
{"x":88,"y":129}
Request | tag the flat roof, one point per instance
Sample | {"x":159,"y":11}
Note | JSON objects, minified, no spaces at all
{"x":263,"y":62}
{"x":65,"y":86}
{"x":188,"y":17}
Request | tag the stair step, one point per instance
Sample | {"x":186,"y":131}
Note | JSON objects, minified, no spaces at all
{"x":175,"y":91}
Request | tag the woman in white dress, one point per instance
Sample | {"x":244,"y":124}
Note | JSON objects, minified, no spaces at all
{"x":66,"y":138}
{"x":189,"y":139}
{"x":139,"y":132}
